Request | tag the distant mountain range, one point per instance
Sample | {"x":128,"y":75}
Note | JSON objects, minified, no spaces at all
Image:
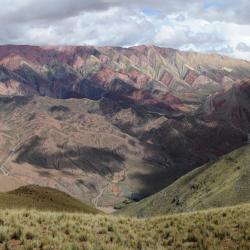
{"x":150,"y":74}
{"x":105,"y":123}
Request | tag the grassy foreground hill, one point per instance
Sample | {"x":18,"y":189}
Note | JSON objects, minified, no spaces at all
{"x":42,"y":198}
{"x":224,"y":182}
{"x":225,"y":228}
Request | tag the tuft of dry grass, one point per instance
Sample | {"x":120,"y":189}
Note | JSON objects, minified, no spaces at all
{"x":225,"y":228}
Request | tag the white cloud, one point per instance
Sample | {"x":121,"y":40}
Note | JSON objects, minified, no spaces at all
{"x":202,"y":25}
{"x":243,"y":47}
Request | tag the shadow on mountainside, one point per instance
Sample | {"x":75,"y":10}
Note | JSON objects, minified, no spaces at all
{"x":93,"y":160}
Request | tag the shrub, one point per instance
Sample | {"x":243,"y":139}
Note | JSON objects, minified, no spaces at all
{"x":2,"y":237}
{"x":110,"y":228}
{"x":29,"y":236}
{"x":16,"y":235}
{"x":83,"y":238}
{"x":1,"y":222}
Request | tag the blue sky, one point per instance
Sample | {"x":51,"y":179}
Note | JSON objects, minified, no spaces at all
{"x":151,"y":12}
{"x":213,"y":5}
{"x":221,"y":26}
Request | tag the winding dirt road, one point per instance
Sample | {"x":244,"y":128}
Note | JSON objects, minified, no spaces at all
{"x":95,"y":201}
{"x":3,"y":167}
{"x":116,"y":179}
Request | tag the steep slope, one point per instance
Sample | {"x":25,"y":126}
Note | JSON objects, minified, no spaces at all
{"x":103,"y":151}
{"x":43,"y":198}
{"x":71,"y":145}
{"x":156,"y":76}
{"x":100,"y":151}
{"x":231,"y":106}
{"x":220,"y":183}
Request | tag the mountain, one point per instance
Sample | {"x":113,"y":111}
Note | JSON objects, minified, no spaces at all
{"x":72,"y":146}
{"x":44,"y":199}
{"x":101,"y":152}
{"x":224,"y":182}
{"x":150,"y":74}
{"x":230,"y":106}
{"x":104,"y":124}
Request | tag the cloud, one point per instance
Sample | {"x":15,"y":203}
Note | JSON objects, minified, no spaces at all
{"x":243,"y":47}
{"x":220,"y":10}
{"x":47,"y":10}
{"x":203,"y":25}
{"x":190,"y":33}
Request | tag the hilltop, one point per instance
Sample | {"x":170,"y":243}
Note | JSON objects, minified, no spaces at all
{"x":223,"y":182}
{"x":42,"y":198}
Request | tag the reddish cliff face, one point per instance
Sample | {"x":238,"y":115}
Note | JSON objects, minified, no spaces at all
{"x":233,"y":106}
{"x":168,"y":76}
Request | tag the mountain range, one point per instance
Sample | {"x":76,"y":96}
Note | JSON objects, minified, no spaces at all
{"x":106,"y":124}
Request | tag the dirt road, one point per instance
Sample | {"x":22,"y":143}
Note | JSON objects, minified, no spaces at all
{"x":3,"y":167}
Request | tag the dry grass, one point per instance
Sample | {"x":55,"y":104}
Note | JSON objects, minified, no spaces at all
{"x":227,"y":228}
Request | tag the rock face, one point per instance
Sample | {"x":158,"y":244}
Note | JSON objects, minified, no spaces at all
{"x":144,"y":73}
{"x":230,"y":106}
{"x":104,"y":123}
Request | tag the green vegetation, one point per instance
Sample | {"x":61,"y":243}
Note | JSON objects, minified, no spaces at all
{"x":42,"y":198}
{"x":122,"y":204}
{"x":224,"y":182}
{"x":227,"y":228}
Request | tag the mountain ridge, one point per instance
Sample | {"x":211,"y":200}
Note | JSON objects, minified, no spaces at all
{"x":168,"y":69}
{"x":224,"y":182}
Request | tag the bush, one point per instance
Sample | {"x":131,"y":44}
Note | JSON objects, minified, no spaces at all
{"x":29,"y":236}
{"x":110,"y":228}
{"x":2,"y":237}
{"x":83,"y":238}
{"x":16,"y":235}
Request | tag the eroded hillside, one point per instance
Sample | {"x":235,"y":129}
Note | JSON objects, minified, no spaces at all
{"x":106,"y":124}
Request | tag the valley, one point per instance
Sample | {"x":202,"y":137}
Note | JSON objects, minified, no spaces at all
{"x":109,"y":124}
{"x":124,"y":125}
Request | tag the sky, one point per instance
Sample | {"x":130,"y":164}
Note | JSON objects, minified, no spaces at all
{"x":221,"y":26}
